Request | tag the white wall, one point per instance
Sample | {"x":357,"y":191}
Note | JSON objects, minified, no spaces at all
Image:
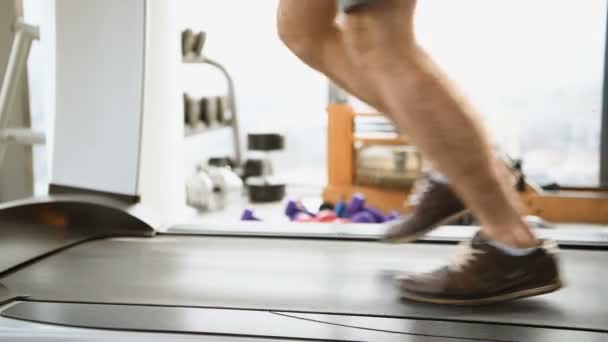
{"x":41,"y":79}
{"x":161,"y":173}
{"x":276,"y":92}
{"x":535,"y":71}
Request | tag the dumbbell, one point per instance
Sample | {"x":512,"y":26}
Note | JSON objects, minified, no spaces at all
{"x":262,"y":187}
{"x":192,"y":43}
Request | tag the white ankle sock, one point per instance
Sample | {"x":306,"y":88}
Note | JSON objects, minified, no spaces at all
{"x":438,"y":177}
{"x":514,"y":251}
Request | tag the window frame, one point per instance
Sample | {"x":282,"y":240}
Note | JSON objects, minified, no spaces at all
{"x":604,"y":129}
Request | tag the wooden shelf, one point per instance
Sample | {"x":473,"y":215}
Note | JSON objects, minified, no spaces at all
{"x":579,"y":205}
{"x":380,"y":139}
{"x":567,"y":206}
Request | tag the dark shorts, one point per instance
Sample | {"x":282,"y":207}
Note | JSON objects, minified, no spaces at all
{"x":349,"y":5}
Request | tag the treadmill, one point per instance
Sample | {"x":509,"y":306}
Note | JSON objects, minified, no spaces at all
{"x":88,"y":263}
{"x":75,"y":266}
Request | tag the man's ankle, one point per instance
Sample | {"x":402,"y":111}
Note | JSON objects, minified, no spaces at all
{"x":517,"y":237}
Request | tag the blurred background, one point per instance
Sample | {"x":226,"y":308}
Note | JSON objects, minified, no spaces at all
{"x":534,"y":69}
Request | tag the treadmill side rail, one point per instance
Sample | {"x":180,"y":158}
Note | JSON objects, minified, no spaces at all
{"x":34,"y":228}
{"x":4,"y":294}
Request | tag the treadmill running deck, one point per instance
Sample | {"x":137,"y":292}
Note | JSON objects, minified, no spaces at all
{"x":287,"y":275}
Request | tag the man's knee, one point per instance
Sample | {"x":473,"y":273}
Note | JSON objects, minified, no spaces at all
{"x":301,"y":44}
{"x":376,"y":36}
{"x":304,"y":42}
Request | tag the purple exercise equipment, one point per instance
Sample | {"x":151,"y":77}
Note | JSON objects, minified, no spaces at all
{"x":248,"y":216}
{"x":363,"y":217}
{"x":294,"y":209}
{"x":376,"y":213}
{"x":356,"y":204}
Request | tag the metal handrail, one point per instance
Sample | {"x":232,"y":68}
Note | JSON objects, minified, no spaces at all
{"x":231,"y":101}
{"x":25,"y":34}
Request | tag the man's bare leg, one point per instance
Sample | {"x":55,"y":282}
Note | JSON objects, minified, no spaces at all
{"x":375,"y":55}
{"x":425,"y":104}
{"x":364,"y":57}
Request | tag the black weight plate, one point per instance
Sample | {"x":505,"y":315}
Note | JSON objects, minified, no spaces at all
{"x":221,"y":162}
{"x":253,"y":168}
{"x":263,"y":193}
{"x":265,"y":142}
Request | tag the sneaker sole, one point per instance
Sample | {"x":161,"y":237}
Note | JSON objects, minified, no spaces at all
{"x":488,"y":300}
{"x":417,"y":235}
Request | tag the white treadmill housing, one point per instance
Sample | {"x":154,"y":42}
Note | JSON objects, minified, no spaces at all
{"x":100,"y":76}
{"x":118,"y":129}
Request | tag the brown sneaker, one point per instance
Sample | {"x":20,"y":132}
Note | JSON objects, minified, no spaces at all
{"x":435,"y":204}
{"x":483,"y":274}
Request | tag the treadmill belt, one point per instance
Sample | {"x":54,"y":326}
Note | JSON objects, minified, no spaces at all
{"x":303,"y":276}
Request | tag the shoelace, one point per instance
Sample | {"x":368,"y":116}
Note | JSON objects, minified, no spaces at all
{"x":464,"y":256}
{"x":420,"y":189}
